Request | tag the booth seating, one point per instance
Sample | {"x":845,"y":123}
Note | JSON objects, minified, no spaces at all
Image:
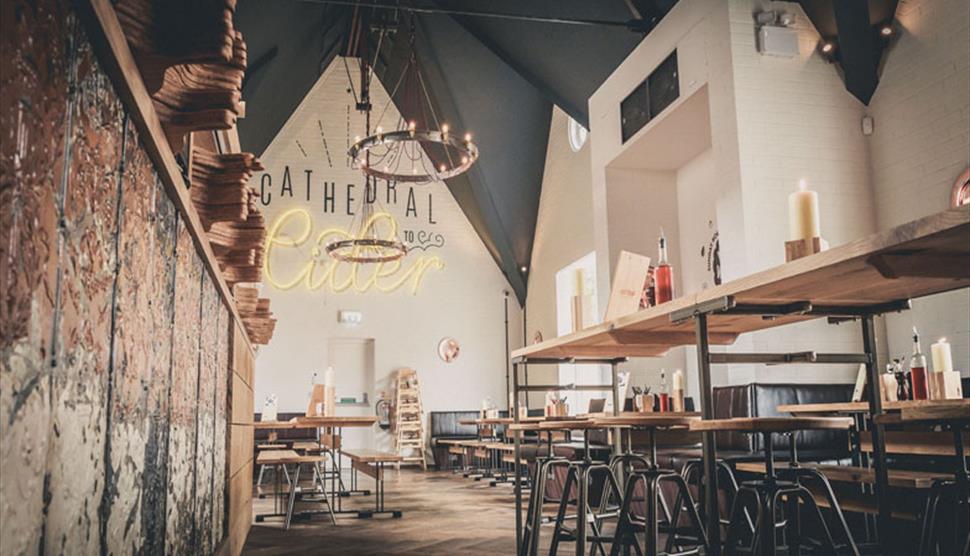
{"x":445,"y":426}
{"x":762,"y":400}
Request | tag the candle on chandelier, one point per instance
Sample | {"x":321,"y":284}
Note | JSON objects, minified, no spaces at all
{"x":803,"y":220}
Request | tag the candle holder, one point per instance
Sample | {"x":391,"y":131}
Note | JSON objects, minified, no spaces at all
{"x":804,"y":247}
{"x":945,"y":385}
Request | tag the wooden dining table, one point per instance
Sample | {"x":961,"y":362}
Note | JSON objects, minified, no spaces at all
{"x":331,"y":440}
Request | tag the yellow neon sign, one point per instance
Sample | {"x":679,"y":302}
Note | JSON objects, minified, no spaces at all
{"x":292,"y":231}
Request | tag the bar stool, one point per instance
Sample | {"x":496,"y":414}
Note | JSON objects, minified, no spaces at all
{"x":693,"y":474}
{"x":580,"y":475}
{"x":797,"y":473}
{"x":766,"y":495}
{"x":649,"y":480}
{"x":537,"y":492}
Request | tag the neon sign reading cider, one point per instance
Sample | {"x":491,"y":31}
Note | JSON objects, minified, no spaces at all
{"x":292,"y":232}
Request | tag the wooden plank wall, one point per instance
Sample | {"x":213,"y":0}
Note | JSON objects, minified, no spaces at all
{"x":240,"y":496}
{"x":114,"y":342}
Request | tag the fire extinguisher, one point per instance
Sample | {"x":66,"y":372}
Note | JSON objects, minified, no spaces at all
{"x":383,"y":410}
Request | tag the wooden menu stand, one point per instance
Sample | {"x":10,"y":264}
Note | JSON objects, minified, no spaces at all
{"x":804,"y":247}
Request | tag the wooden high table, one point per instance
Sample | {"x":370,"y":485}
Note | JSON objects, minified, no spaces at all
{"x":860,"y":280}
{"x":331,"y":439}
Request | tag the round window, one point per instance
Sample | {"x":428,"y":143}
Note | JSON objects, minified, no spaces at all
{"x":577,"y":135}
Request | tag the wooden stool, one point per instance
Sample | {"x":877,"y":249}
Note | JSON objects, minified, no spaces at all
{"x":766,"y":494}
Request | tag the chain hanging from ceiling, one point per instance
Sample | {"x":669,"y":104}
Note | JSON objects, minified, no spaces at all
{"x":421,"y":150}
{"x":373,"y":232}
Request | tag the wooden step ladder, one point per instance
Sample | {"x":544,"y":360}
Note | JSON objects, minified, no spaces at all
{"x":409,"y":420}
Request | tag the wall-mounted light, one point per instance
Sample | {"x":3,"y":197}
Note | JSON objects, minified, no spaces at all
{"x":828,"y":49}
{"x":886,"y":30}
{"x":523,"y":269}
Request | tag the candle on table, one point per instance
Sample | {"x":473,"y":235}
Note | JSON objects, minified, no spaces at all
{"x":942,"y":356}
{"x":803,"y":220}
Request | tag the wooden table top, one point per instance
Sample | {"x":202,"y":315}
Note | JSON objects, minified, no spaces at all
{"x":365,"y":455}
{"x":276,"y":457}
{"x":571,"y":425}
{"x":916,"y":259}
{"x":317,"y":422}
{"x":771,"y":424}
{"x":648,"y":420}
{"x":863,"y":407}
{"x":952,"y":411}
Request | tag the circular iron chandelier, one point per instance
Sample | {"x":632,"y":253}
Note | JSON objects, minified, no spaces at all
{"x":368,"y":240}
{"x":405,"y":155}
{"x":421,"y":150}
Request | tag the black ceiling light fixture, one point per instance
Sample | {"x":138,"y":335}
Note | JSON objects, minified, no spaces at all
{"x":855,"y":35}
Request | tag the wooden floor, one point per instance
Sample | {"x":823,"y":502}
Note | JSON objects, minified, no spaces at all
{"x":443,"y":514}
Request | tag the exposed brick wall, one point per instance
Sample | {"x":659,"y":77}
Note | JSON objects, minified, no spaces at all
{"x":105,"y":445}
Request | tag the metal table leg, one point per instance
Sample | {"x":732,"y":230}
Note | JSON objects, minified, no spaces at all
{"x":710,"y":452}
{"x":881,"y":487}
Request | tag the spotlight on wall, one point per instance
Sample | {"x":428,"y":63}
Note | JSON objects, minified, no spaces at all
{"x":828,"y":49}
{"x":886,"y":30}
{"x":523,"y":269}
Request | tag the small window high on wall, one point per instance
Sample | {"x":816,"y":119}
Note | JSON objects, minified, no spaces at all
{"x":650,"y":97}
{"x":577,"y":308}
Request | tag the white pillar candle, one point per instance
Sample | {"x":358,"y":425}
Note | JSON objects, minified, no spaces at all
{"x":942,"y":356}
{"x":580,"y":286}
{"x":803,"y":214}
{"x":678,"y":379}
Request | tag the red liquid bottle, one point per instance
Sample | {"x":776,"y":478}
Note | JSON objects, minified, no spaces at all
{"x":663,"y":275}
{"x":917,"y":369}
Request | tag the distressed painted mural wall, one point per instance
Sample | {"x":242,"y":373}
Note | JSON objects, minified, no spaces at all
{"x":114,"y":348}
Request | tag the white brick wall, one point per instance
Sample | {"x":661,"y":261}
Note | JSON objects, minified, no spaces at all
{"x":463,"y":300}
{"x":921,"y":144}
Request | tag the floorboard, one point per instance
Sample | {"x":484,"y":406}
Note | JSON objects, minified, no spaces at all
{"x":443,"y":514}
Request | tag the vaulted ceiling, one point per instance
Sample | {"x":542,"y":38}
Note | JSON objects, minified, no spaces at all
{"x":495,"y":68}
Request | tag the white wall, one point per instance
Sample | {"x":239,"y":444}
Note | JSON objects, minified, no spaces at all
{"x":464,"y":299}
{"x":564,"y":233}
{"x":920,"y":144}
{"x":797,"y":121}
{"x":774,"y":121}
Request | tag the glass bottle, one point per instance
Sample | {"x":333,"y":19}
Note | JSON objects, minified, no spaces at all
{"x":917,"y":370}
{"x":664,"y":396}
{"x":663,"y":275}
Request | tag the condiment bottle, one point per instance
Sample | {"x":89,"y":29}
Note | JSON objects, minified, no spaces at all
{"x":917,"y":370}
{"x":664,"y":396}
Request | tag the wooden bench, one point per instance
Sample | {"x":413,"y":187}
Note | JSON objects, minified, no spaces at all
{"x":280,"y":459}
{"x":372,"y":463}
{"x":899,"y":478}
